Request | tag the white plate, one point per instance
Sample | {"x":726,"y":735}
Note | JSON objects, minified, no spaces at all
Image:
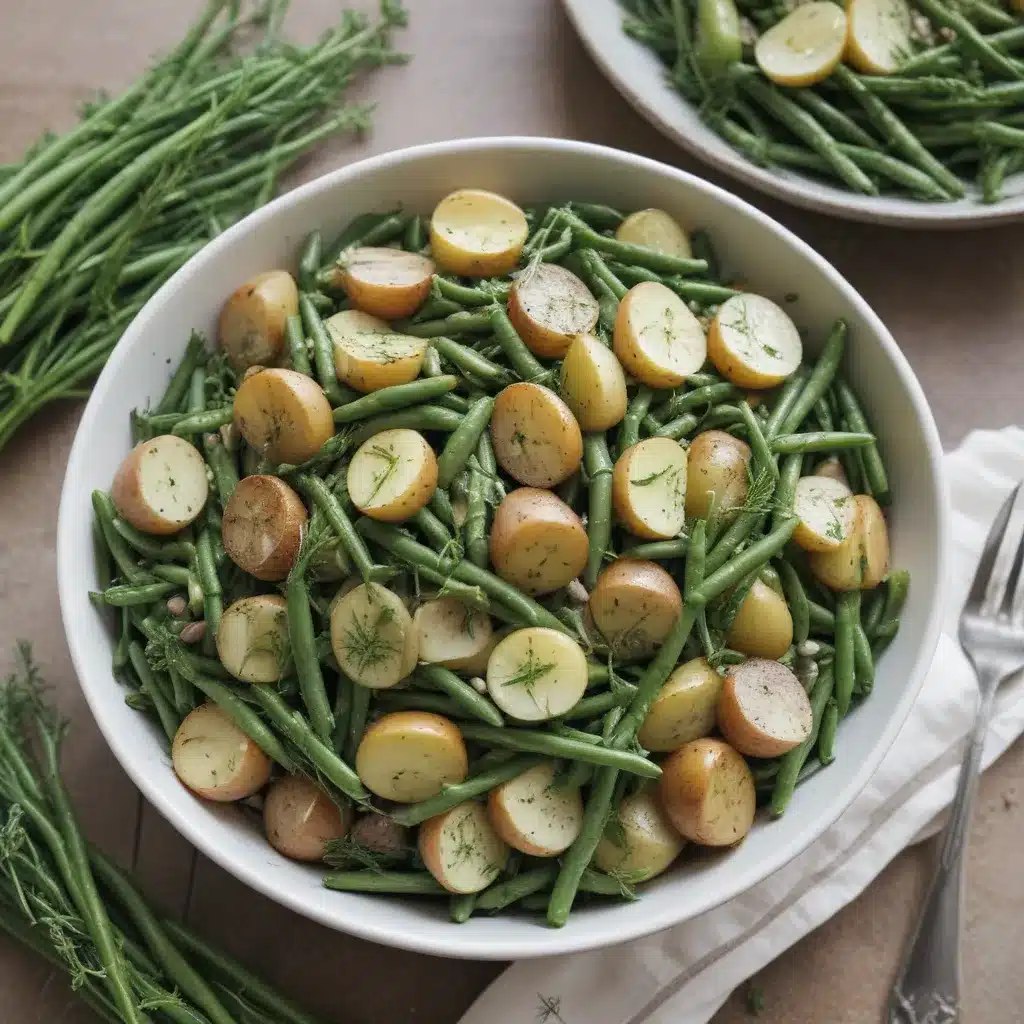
{"x":639,"y":75}
{"x":529,"y":170}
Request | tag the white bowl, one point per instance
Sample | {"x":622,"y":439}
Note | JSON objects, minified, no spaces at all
{"x":530,"y":170}
{"x":638,"y":73}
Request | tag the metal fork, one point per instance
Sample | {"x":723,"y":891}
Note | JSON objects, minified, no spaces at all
{"x":927,"y":990}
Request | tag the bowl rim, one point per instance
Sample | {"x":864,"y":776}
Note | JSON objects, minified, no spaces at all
{"x":675,"y":118}
{"x":93,"y":681}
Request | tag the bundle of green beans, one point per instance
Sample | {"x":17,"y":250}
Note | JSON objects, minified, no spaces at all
{"x":161,"y":589}
{"x":951,"y":114}
{"x":67,"y":901}
{"x":93,"y":222}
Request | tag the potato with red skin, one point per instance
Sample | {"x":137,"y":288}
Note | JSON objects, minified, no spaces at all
{"x":718,"y":465}
{"x":861,"y":562}
{"x":161,"y":485}
{"x":251,"y":328}
{"x":549,"y":306}
{"x":461,"y":849}
{"x":264,"y":522}
{"x":388,"y":283}
{"x":764,"y":710}
{"x":299,"y":818}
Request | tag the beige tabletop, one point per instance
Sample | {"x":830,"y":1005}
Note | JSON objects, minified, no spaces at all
{"x":499,"y":67}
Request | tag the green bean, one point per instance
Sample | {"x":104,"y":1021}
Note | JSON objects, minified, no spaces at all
{"x":463,"y":441}
{"x":476,"y":785}
{"x":821,"y":441}
{"x":785,"y":491}
{"x":416,"y":417}
{"x":796,"y":598}
{"x":832,"y":119}
{"x":414,"y":238}
{"x":441,"y":505}
{"x":474,"y":704}
{"x":659,"y":550}
{"x":309,"y":261}
{"x":324,"y":499}
{"x":788,"y":394}
{"x":762,"y":453}
{"x":600,"y":703}
{"x":457,"y":323}
{"x":512,"y":890}
{"x":579,"y":855}
{"x":897,"y":584}
{"x":872,"y":615}
{"x":461,"y":907}
{"x":822,"y":620}
{"x":401,"y":699}
{"x":398,"y":396}
{"x":742,"y":526}
{"x":805,"y":127}
{"x":131,"y":594}
{"x":297,"y":730}
{"x":399,"y":883}
{"x":598,"y":464}
{"x":195,"y":353}
{"x":792,"y":762}
{"x":817,"y":384}
{"x":827,"y":733}
{"x":847,"y":614}
{"x":536,"y":742}
{"x":585,"y":236}
{"x":156,"y":689}
{"x":323,"y":350}
{"x":600,"y":271}
{"x":466,"y":296}
{"x":475,"y":527}
{"x":695,"y":291}
{"x":222,"y":466}
{"x":603,"y":218}
{"x":208,"y":419}
{"x":519,"y":356}
{"x":971,"y":39}
{"x":874,"y":468}
{"x":180,"y":575}
{"x":207,"y":571}
{"x":694,"y":398}
{"x":471,"y":362}
{"x":863,"y":659}
{"x":695,"y":558}
{"x":303,"y":651}
{"x":720,"y":417}
{"x":435,"y":532}
{"x":228,"y":700}
{"x":740,"y":565}
{"x":629,"y":432}
{"x":356,"y":722}
{"x":901,"y":138}
{"x":555,"y":251}
{"x":377,"y":226}
{"x":412,"y":553}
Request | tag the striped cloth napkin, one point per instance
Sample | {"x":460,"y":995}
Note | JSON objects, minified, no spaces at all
{"x":684,"y":974}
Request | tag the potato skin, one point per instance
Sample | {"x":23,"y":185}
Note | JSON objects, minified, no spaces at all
{"x":745,"y":721}
{"x":673,"y":488}
{"x":655,"y":229}
{"x":252,"y":322}
{"x":593,"y":384}
{"x":861,"y":562}
{"x":523,"y":549}
{"x":388,"y":283}
{"x":708,"y":793}
{"x":552,"y":292}
{"x":126,"y":489}
{"x":468,"y":206}
{"x":299,"y":818}
{"x":650,"y":843}
{"x":763,"y":627}
{"x":718,"y":462}
{"x":264,"y":521}
{"x":684,"y":709}
{"x":484,"y":859}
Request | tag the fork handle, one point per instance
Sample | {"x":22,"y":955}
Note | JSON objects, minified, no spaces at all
{"x":928,"y":986}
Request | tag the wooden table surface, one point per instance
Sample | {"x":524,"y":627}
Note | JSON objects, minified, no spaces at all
{"x":954,"y":302}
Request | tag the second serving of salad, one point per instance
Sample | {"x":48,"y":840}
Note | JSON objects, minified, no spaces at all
{"x":500,"y":554}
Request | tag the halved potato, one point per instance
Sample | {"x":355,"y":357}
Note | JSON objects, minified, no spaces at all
{"x":283,"y":414}
{"x":684,"y":709}
{"x":252,"y":642}
{"x":549,"y":305}
{"x":536,"y":438}
{"x":764,"y":710}
{"x":372,"y":636}
{"x":535,"y":816}
{"x":657,"y":339}
{"x":879,"y":35}
{"x":649,"y":488}
{"x":707,"y":790}
{"x":161,"y":485}
{"x":409,"y":756}
{"x":215,"y":759}
{"x":861,"y":562}
{"x":593,"y":384}
{"x":477,"y":233}
{"x":388,"y":283}
{"x":763,"y":627}
{"x":634,"y":606}
{"x":378,"y":833}
{"x":450,"y":634}
{"x":656,"y":230}
{"x":369,"y":354}
{"x":753,"y":342}
{"x":717,"y":473}
{"x":537,"y":543}
{"x":299,"y":818}
{"x":461,"y":849}
{"x":536,"y":673}
{"x":392,"y":475}
{"x":252,"y":322}
{"x":639,"y":842}
{"x":827,"y":512}
{"x":805,"y":46}
{"x":264,"y":521}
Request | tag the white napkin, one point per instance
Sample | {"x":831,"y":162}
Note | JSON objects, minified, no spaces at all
{"x":683,"y":975}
